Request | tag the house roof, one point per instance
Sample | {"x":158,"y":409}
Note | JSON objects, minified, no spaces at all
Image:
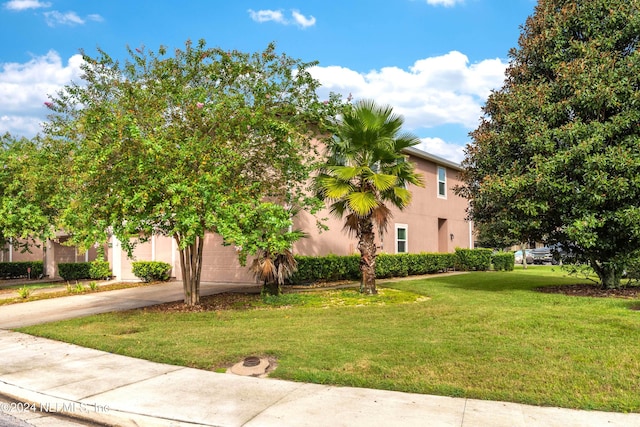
{"x":433,"y":158}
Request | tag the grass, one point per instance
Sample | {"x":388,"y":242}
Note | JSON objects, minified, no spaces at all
{"x":32,"y":286}
{"x":64,"y":290}
{"x":479,"y":335}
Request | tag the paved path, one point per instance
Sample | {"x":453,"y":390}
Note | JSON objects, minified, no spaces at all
{"x":118,"y":390}
{"x":53,"y":309}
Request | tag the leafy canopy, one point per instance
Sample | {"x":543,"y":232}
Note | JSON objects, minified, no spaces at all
{"x":556,"y":155}
{"x":366,"y":167}
{"x":27,"y":194}
{"x":164,"y":144}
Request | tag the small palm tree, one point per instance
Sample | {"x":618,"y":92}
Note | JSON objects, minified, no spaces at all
{"x":264,"y":231}
{"x":365,"y":171}
{"x":272,"y":269}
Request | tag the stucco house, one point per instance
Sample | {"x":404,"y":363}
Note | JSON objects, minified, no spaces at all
{"x":51,"y":253}
{"x":434,"y":222}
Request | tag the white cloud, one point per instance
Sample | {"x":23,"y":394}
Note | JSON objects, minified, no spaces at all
{"x":446,"y":3}
{"x":439,"y":147}
{"x":267,"y":15}
{"x":20,"y":125}
{"x":54,"y":18}
{"x":95,"y":17}
{"x":20,"y":5}
{"x":434,"y":91}
{"x":302,"y":20}
{"x":278,"y":16}
{"x":24,"y":89}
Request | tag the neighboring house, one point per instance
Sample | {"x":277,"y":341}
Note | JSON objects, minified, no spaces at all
{"x":51,"y":253}
{"x":433,"y":222}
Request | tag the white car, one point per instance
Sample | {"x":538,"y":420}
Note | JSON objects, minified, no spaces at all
{"x":518,"y":256}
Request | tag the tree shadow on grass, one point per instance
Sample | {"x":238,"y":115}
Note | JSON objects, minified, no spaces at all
{"x":498,"y":281}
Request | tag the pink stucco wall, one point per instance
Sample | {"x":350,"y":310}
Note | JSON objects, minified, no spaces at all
{"x":430,"y":222}
{"x":219,"y":263}
{"x":35,"y":253}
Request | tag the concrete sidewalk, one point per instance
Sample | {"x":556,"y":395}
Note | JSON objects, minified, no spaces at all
{"x":123,"y":391}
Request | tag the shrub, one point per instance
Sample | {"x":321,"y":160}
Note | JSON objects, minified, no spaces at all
{"x":391,"y":266}
{"x":14,"y":270}
{"x":503,"y":261}
{"x":99,"y":270}
{"x":151,"y":271}
{"x":74,"y":270}
{"x":333,"y":268}
{"x":473,"y":259}
{"x":327,"y":268}
{"x":429,"y":263}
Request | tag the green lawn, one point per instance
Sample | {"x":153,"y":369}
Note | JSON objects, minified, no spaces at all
{"x":479,"y":335}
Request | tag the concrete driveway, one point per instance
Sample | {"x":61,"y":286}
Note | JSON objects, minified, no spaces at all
{"x":54,"y":309}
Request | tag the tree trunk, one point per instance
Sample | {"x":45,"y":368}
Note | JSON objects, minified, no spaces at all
{"x":271,"y":288}
{"x":367,"y":247}
{"x":191,"y":267}
{"x":609,"y":273}
{"x":524,"y":256}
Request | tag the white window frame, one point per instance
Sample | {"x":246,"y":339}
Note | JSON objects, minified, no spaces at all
{"x":443,"y":182}
{"x":406,"y":238}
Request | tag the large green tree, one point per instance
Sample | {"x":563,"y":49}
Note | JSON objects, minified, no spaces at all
{"x":27,"y":195}
{"x":365,"y":174}
{"x":169,"y":143}
{"x":556,"y":155}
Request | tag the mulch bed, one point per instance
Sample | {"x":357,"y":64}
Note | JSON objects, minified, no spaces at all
{"x":592,"y":290}
{"x":217,"y":302}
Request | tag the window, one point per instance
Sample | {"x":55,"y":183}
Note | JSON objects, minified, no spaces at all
{"x":402,"y":238}
{"x":442,"y":182}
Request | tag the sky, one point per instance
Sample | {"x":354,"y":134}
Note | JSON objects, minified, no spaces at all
{"x":434,"y":61}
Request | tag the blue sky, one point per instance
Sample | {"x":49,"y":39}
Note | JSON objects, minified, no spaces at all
{"x":434,"y":61}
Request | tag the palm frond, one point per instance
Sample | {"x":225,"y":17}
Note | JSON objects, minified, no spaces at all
{"x":382,"y":182}
{"x":366,"y":169}
{"x":345,"y":173}
{"x":286,"y":266}
{"x":361,"y":202}
{"x":352,"y":225}
{"x":334,"y":189}
{"x":401,"y":197}
{"x":338,"y":208}
{"x":263,"y":268}
{"x":381,"y":216}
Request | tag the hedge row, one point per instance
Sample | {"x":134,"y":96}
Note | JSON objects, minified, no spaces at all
{"x":333,"y":268}
{"x":84,"y":270}
{"x":473,"y":259}
{"x":326,"y":268}
{"x":412,"y":264}
{"x":15,"y":270}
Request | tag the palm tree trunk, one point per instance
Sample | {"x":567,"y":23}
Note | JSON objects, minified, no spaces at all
{"x":367,"y":247}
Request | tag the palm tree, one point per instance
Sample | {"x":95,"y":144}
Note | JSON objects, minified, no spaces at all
{"x":366,"y":171}
{"x":273,"y":269}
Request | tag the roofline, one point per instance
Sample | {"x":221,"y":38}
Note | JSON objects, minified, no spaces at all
{"x":432,"y":157}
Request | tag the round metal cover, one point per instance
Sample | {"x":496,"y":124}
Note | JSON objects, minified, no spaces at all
{"x":251,"y":361}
